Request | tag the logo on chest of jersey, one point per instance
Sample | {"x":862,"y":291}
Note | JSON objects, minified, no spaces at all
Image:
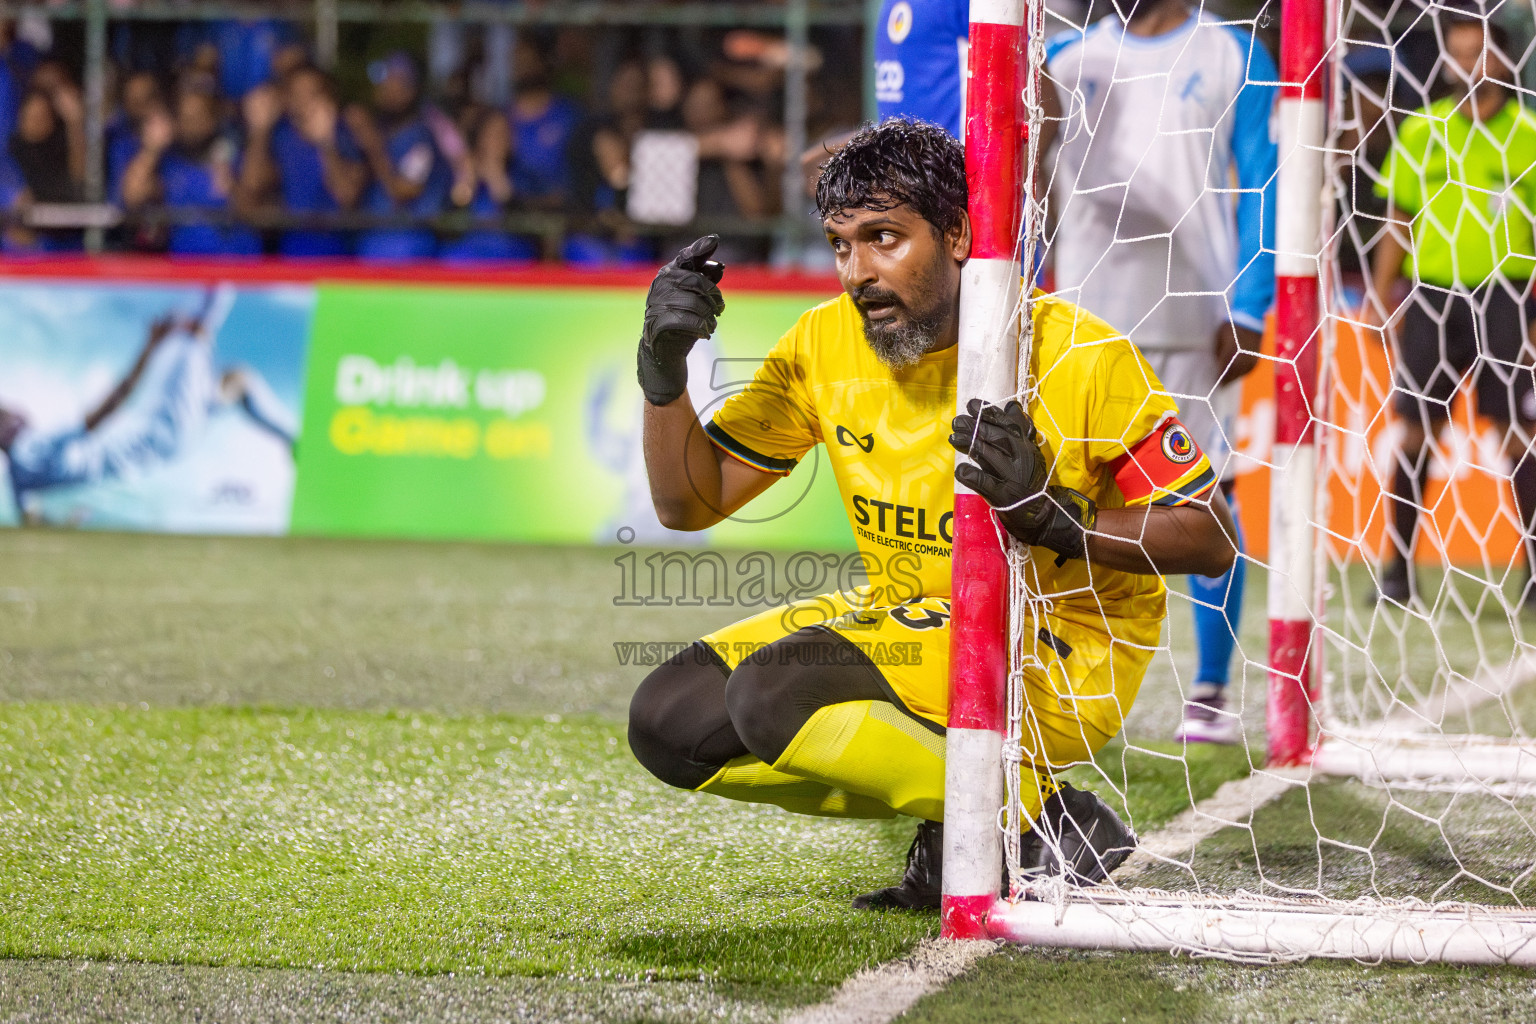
{"x":899,"y":25}
{"x":909,"y":521}
{"x":1178,"y":446}
{"x":1194,"y":89}
{"x":849,"y":439}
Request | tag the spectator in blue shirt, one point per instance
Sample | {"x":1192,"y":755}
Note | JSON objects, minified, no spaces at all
{"x":187,"y":165}
{"x":491,"y":153}
{"x":542,"y":126}
{"x":140,"y":97}
{"x":300,"y":148}
{"x":14,"y":237}
{"x":410,"y":176}
{"x":11,"y":77}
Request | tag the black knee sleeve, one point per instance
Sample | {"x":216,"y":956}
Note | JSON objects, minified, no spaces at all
{"x":678,"y":725}
{"x":773,"y":693}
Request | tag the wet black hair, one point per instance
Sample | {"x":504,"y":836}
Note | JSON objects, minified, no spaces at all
{"x":899,"y":161}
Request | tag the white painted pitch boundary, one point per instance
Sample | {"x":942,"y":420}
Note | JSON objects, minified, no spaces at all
{"x":884,"y":992}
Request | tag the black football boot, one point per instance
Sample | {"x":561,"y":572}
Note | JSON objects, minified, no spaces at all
{"x":920,"y":886}
{"x":1087,"y":839}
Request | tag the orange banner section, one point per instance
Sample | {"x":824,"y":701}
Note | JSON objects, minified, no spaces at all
{"x":1472,"y":517}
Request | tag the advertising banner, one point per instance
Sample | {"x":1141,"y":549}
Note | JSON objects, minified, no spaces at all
{"x":480,"y":413}
{"x":446,"y":409}
{"x":1470,"y":516}
{"x":167,"y":408}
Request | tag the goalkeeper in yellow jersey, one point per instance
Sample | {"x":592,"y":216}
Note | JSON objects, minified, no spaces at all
{"x":837,"y":705}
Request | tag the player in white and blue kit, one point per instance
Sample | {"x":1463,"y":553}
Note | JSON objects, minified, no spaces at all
{"x":1164,"y":199}
{"x":920,"y":56}
{"x":1163,"y":192}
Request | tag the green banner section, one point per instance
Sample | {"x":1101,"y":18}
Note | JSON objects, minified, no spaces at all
{"x":514,"y":415}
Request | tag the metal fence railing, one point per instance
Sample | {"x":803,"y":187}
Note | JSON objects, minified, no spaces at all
{"x":325,"y":24}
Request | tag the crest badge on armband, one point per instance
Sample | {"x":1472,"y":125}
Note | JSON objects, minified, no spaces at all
{"x":1178,"y":446}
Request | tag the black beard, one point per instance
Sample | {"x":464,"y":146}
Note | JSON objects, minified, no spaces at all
{"x":900,"y":342}
{"x":903,"y":338}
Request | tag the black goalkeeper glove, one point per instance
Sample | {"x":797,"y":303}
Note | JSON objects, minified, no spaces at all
{"x":684,"y":301}
{"x":1011,"y":474}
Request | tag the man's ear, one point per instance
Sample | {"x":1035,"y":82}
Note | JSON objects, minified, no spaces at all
{"x":958,"y":238}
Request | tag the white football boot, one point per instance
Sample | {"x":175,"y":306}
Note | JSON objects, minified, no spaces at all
{"x":1206,"y":718}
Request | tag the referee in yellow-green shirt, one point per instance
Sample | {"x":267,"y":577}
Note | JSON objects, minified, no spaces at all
{"x":1461,"y":186}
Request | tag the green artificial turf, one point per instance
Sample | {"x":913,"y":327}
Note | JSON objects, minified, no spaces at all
{"x":1150,"y":782}
{"x":420,"y":843}
{"x":414,"y":843}
{"x":1462,"y":632}
{"x":1344,"y":840}
{"x":86,"y":992}
{"x":299,"y":779}
{"x":323,"y":623}
{"x":1133,"y":988}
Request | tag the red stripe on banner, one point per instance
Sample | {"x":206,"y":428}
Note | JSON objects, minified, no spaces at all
{"x":1296,"y":341}
{"x":1288,"y":713}
{"x":965,"y":917}
{"x":994,"y":160}
{"x":978,"y":663}
{"x":1301,"y":48}
{"x":292,"y":271}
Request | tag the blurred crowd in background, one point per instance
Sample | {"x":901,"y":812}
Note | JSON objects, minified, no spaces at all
{"x":225,"y":138}
{"x":597,"y":146}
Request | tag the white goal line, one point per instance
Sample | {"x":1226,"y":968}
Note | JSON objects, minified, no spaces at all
{"x":886,"y":991}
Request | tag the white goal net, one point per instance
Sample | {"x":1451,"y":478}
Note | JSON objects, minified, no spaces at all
{"x":1410,"y":831}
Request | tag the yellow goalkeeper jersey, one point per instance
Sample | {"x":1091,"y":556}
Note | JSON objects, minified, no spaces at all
{"x":1106,"y":424}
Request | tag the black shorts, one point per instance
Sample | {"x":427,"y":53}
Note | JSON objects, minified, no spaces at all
{"x":1447,"y":336}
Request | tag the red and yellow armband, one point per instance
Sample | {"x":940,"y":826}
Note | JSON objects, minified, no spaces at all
{"x":1166,"y":467}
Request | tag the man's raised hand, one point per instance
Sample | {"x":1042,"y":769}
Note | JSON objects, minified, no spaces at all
{"x":1008,"y":469}
{"x":681,"y":308}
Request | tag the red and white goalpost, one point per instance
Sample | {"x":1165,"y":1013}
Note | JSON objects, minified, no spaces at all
{"x":1333,"y":707}
{"x":1293,"y":474}
{"x":990,"y":321}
